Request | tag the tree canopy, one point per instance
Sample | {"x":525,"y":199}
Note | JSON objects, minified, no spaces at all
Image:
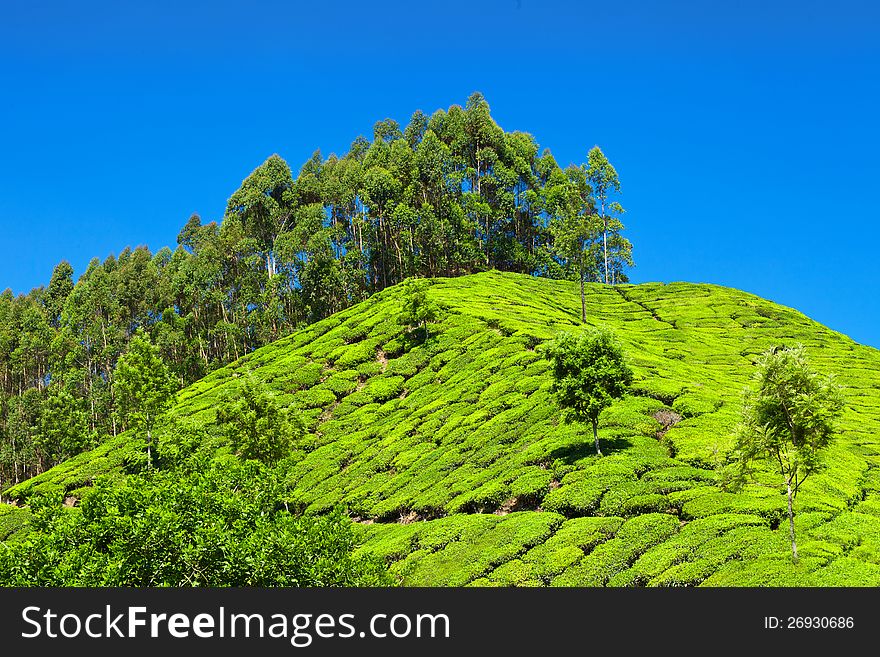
{"x":417,"y":309}
{"x":589,"y":372}
{"x":216,"y":523}
{"x":256,"y":426}
{"x":447,"y":194}
{"x":144,"y":387}
{"x":788,"y":417}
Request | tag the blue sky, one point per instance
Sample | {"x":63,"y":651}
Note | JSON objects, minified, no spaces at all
{"x":746,"y":136}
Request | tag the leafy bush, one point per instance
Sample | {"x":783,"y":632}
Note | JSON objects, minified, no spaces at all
{"x":580,"y":498}
{"x":14,"y":523}
{"x":219,"y":526}
{"x":615,"y":555}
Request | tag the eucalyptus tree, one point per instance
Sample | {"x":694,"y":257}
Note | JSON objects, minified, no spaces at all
{"x":480,"y":146}
{"x":604,"y":182}
{"x":574,"y":225}
{"x":63,"y":427}
{"x":619,"y":253}
{"x":264,"y":203}
{"x":433,"y":162}
{"x":380,"y":192}
{"x":92,"y":340}
{"x":60,"y":287}
{"x":387,"y":130}
{"x":415,"y":129}
{"x":19,"y":456}
{"x":523,"y":198}
{"x":351,"y":243}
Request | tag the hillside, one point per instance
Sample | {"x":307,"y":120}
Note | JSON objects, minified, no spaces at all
{"x":451,"y":456}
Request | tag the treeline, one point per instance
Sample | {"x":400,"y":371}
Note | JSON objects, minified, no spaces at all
{"x":447,"y":195}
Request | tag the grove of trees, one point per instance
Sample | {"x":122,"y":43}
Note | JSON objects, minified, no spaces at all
{"x":446,"y":195}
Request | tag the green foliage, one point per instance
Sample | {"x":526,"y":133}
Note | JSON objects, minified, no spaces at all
{"x":14,"y":523}
{"x":788,"y":418}
{"x":255,"y":425}
{"x":417,"y":309}
{"x":180,"y":439}
{"x":575,"y":228}
{"x":220,"y":525}
{"x":589,"y":372}
{"x":604,"y":182}
{"x":63,"y":427}
{"x":144,"y":387}
{"x":467,"y":421}
{"x":264,"y":206}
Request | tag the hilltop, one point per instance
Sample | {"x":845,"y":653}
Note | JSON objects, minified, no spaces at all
{"x":450,"y":455}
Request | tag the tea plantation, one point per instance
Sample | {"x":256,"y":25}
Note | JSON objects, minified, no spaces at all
{"x":450,"y":455}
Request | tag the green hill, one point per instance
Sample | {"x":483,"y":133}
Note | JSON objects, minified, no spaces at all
{"x":451,"y":456}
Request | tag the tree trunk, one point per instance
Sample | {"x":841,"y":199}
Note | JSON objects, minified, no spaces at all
{"x":400,"y":274}
{"x":794,"y":554}
{"x":596,"y":435}
{"x":149,"y":449}
{"x":605,"y":246}
{"x":604,"y":232}
{"x":583,"y":299}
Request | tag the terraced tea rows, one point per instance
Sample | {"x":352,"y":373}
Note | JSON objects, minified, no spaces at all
{"x":451,"y":455}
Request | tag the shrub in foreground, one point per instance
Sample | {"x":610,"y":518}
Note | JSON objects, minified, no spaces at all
{"x":217,"y":526}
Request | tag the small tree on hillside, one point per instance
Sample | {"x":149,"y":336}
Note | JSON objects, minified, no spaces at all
{"x":418,"y":310}
{"x":589,"y":373}
{"x":257,"y":427}
{"x":145,"y":387}
{"x":788,"y":418}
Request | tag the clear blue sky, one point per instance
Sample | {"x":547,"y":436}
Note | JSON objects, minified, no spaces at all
{"x":745,"y":133}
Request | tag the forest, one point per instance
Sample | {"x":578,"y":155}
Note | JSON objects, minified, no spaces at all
{"x":447,"y":195}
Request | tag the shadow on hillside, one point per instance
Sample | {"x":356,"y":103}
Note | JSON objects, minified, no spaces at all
{"x":416,"y":337}
{"x":572,"y":453}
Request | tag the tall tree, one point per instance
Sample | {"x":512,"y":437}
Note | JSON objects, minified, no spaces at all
{"x":264,"y":204}
{"x":416,"y":128}
{"x":60,"y":287}
{"x":604,"y":181}
{"x":573,"y":224}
